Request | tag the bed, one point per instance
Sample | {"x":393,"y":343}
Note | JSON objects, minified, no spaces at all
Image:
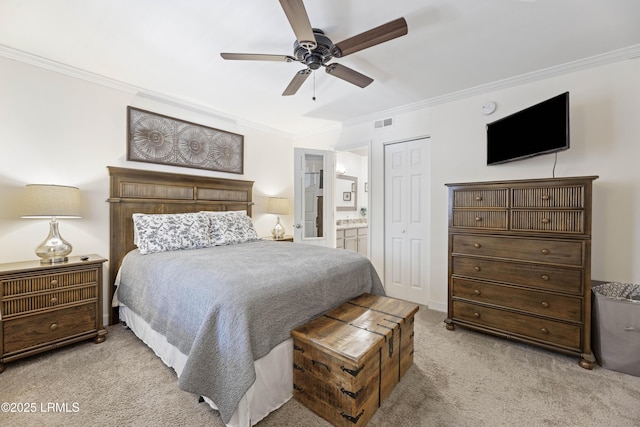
{"x":220,"y":312}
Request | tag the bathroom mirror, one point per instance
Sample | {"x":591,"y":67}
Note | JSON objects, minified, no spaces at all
{"x":346,"y":193}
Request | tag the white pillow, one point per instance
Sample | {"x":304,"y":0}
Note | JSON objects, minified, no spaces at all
{"x":170,"y":232}
{"x":231,"y":227}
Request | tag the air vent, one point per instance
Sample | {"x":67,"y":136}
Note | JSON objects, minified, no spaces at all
{"x":383,"y":123}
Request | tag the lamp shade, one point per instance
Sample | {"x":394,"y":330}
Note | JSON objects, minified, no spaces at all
{"x":278,"y":205}
{"x":46,"y":201}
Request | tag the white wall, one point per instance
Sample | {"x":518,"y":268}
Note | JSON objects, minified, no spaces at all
{"x":58,"y":129}
{"x":605,"y":135}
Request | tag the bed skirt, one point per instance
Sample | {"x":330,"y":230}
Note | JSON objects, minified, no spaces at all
{"x":272,"y":388}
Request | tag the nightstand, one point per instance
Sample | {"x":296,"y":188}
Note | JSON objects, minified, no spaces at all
{"x":286,"y":238}
{"x":46,"y":306}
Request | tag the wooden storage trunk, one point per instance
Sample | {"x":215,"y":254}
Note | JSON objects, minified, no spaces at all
{"x":401,"y":311}
{"x":348,"y":361}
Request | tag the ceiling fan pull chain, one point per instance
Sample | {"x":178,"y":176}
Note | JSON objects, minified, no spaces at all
{"x":314,"y":86}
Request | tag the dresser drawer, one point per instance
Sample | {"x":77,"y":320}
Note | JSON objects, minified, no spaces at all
{"x":565,"y":196}
{"x":22,"y":284}
{"x":26,"y":304}
{"x":538,"y":250}
{"x":30,"y":331}
{"x":543,"y":303}
{"x":530,"y":275}
{"x":480,"y":219}
{"x":547,"y":220}
{"x":549,"y":331}
{"x":481,"y":198}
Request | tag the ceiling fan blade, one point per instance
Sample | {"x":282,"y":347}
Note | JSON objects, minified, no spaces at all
{"x":374,"y":36}
{"x":258,"y":57}
{"x":297,"y":81}
{"x":299,"y":20}
{"x":347,"y":74}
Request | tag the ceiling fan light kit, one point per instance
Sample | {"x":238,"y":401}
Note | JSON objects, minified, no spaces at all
{"x":314,"y":49}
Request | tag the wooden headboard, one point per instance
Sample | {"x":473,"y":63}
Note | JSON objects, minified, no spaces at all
{"x":142,"y":191}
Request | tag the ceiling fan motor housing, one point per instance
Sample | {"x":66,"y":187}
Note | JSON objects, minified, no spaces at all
{"x":316,"y":57}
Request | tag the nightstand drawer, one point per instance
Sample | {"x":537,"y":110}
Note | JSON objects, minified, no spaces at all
{"x":23,"y":305}
{"x":30,"y":331}
{"x":22,"y":284}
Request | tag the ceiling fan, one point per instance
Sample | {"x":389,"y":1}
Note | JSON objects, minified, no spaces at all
{"x":314,"y":49}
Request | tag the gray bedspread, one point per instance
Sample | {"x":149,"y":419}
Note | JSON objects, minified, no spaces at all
{"x":226,"y":306}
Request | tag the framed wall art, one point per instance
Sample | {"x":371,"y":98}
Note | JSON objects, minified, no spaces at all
{"x":155,"y":138}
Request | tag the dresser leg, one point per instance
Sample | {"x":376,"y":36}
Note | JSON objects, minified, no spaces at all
{"x":587,"y":361}
{"x":102,"y":335}
{"x":450,"y":325}
{"x":2,"y":367}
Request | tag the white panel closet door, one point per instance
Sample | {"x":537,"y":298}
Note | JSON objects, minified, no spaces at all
{"x":406,"y":183}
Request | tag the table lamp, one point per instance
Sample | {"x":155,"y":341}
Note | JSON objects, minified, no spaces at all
{"x":278,"y":206}
{"x":53,"y":202}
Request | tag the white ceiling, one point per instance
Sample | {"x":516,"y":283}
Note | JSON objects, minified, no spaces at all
{"x":172,"y":48}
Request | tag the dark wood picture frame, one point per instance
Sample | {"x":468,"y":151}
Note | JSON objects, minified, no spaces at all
{"x":160,"y":139}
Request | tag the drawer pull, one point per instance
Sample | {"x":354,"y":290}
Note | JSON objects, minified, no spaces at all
{"x":54,"y":282}
{"x":478,"y":219}
{"x":478,"y":198}
{"x":545,"y":277}
{"x":54,"y":300}
{"x":477,"y":268}
{"x":476,"y":315}
{"x":53,"y":326}
{"x":544,"y":330}
{"x":546,"y":197}
{"x":545,"y":304}
{"x":545,"y":220}
{"x":545,"y":251}
{"x":477,"y":245}
{"x":476,"y":291}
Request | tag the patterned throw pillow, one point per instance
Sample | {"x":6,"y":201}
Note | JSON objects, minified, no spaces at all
{"x":170,"y":232}
{"x":230,"y":228}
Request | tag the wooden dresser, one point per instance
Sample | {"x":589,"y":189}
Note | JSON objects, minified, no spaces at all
{"x":45,"y":306}
{"x":520,"y":261}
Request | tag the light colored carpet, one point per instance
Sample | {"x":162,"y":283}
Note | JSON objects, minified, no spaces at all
{"x":459,"y":378}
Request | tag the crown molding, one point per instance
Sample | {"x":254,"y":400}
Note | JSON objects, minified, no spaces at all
{"x":630,"y":52}
{"x":627,"y":53}
{"x":141,"y":92}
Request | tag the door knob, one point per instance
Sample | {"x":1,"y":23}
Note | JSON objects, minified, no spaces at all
{"x":297,"y":226}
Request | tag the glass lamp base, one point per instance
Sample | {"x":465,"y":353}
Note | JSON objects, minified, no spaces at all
{"x":278,"y":231}
{"x":54,"y":249}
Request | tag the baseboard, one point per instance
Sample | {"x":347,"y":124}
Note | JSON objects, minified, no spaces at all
{"x":437,"y":306}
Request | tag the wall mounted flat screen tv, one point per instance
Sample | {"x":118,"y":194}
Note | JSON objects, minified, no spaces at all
{"x":540,"y":129}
